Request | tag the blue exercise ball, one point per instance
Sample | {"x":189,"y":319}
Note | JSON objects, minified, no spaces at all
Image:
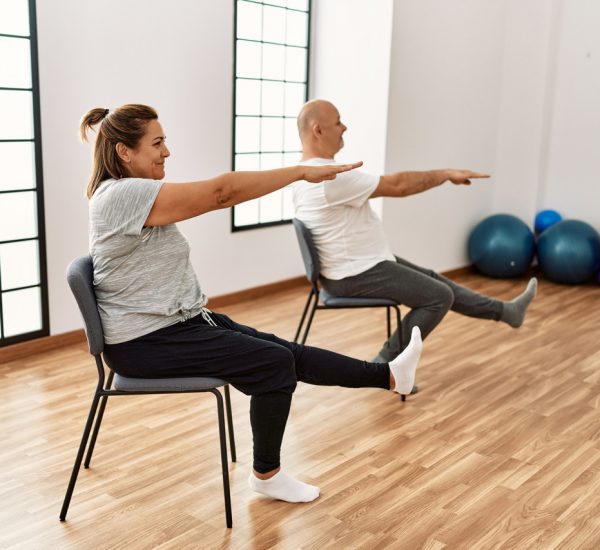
{"x":546,"y":219}
{"x":501,"y":246}
{"x":569,"y":252}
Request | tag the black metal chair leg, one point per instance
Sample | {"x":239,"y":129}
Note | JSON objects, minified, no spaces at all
{"x":230,"y":423}
{"x":310,"y":319}
{"x":399,"y":325}
{"x":310,"y":295}
{"x":90,"y":451}
{"x":224,"y":464}
{"x":77,"y":465}
{"x":389,"y":324}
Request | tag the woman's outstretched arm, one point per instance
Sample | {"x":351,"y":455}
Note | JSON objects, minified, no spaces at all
{"x":180,"y":201}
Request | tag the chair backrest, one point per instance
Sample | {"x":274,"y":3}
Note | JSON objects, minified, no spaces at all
{"x":80,"y":276}
{"x":308,"y":250}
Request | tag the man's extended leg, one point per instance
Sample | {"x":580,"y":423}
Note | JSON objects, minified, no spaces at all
{"x":473,"y":304}
{"x":429,"y":298}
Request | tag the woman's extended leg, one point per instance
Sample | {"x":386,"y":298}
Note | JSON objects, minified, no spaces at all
{"x":263,"y":366}
{"x":322,"y":367}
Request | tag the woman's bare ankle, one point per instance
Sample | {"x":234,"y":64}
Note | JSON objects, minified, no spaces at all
{"x":268,"y":475}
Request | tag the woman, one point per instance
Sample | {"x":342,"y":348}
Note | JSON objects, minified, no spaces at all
{"x":152,"y":309}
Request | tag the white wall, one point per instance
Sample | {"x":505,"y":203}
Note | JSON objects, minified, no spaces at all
{"x":503,"y":86}
{"x":570,"y":182}
{"x":350,"y":67}
{"x":444,"y":96}
{"x":178,"y":58}
{"x":526,"y":96}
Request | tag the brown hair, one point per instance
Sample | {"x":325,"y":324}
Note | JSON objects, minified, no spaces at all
{"x":127,"y":125}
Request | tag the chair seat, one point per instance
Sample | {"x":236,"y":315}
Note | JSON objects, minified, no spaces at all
{"x":192,"y":383}
{"x":339,"y":301}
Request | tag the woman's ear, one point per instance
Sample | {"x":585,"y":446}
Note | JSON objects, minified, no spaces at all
{"x":123,"y":152}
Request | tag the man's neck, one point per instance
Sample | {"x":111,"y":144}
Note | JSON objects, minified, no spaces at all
{"x":309,"y":153}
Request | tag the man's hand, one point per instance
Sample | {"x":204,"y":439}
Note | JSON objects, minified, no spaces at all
{"x":317,"y":174}
{"x":463,"y":177}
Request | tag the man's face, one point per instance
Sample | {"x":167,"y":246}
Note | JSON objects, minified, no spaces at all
{"x":332,"y":130}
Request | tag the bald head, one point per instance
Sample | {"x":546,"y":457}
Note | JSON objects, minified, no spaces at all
{"x":320,"y":129}
{"x":314,"y":112}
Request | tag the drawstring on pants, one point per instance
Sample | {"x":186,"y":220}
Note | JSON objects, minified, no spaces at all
{"x":205,"y":315}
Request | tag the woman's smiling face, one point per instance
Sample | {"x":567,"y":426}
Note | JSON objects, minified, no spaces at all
{"x":147,"y":159}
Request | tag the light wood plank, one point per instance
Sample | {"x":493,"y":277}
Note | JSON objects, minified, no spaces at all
{"x":500,"y":449}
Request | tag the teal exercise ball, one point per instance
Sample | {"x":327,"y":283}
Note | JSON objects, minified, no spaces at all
{"x":569,"y":252}
{"x":501,"y":245}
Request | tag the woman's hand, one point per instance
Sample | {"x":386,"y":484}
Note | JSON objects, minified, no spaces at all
{"x":317,"y":174}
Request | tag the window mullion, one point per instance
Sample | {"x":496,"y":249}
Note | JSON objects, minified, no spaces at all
{"x":270,"y":83}
{"x":23,"y":279}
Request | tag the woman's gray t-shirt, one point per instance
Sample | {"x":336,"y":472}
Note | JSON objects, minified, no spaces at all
{"x":143,"y":276}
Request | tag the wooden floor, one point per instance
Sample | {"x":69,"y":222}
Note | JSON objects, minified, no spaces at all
{"x":499,"y":449}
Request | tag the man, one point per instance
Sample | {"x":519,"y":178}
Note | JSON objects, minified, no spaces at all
{"x":353,"y":251}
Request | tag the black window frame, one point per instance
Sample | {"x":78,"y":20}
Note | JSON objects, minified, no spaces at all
{"x":306,"y":82}
{"x":41,"y":233}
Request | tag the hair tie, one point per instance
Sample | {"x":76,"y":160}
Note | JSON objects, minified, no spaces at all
{"x":106,"y":112}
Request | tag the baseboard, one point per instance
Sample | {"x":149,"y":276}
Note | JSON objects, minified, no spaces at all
{"x":255,"y":292}
{"x":24,"y":349}
{"x":452,"y":273}
{"x":39,"y":345}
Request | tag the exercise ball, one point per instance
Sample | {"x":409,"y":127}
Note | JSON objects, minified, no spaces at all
{"x":546,"y":219}
{"x":501,"y":246}
{"x":569,"y":252}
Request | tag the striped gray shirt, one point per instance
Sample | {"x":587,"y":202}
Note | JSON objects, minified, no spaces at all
{"x":143,"y":276}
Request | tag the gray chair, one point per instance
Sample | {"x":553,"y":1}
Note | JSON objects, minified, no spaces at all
{"x":80,"y":278}
{"x":320,"y":299}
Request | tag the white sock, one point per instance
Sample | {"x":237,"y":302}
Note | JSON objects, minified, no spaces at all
{"x":404,"y":366}
{"x":284,"y":487}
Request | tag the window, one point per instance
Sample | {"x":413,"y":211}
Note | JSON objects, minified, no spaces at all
{"x":23,"y":288}
{"x":270,"y":86}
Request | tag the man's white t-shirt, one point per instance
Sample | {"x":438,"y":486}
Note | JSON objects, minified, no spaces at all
{"x":347,"y":232}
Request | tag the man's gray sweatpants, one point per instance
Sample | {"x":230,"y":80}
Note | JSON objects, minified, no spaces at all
{"x":428,"y":294}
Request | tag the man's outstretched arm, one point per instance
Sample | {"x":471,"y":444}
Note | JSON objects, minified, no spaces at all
{"x":402,"y":184}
